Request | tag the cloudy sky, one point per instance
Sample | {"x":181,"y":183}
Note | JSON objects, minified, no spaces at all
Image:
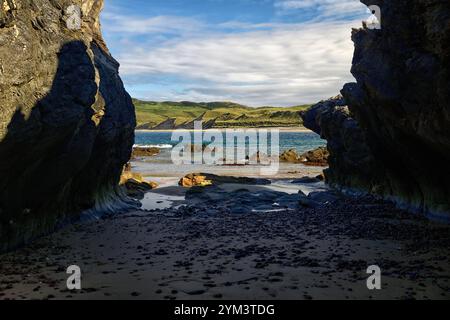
{"x":255,"y":52}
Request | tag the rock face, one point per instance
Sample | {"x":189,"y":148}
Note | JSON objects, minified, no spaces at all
{"x":401,"y":105}
{"x":351,"y":163}
{"x":66,"y":121}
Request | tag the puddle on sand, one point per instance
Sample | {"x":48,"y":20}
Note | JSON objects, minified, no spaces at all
{"x":155,"y":201}
{"x":167,"y":195}
{"x":170,"y":195}
{"x":288,"y":187}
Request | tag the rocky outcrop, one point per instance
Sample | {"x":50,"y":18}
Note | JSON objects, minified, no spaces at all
{"x":134,"y":184}
{"x":66,"y":121}
{"x":351,"y":163}
{"x":290,"y":156}
{"x":194,"y":180}
{"x":208,"y":179}
{"x":317,"y":157}
{"x":399,"y":108}
{"x":139,"y":151}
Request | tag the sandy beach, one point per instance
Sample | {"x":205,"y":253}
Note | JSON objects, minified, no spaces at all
{"x":320,"y":175}
{"x":238,"y":241}
{"x":289,"y":237}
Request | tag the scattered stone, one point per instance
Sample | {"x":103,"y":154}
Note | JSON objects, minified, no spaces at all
{"x":318,"y":157}
{"x":207,"y":179}
{"x":135,"y":185}
{"x":306,"y":180}
{"x":139,"y":152}
{"x":290,"y":156}
{"x":194,"y":180}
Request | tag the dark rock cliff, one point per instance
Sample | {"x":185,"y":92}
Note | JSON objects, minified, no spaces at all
{"x":66,"y":121}
{"x":352,"y":164}
{"x":398,"y":115}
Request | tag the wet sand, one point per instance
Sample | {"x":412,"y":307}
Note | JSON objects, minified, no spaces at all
{"x":204,"y":249}
{"x":160,"y":167}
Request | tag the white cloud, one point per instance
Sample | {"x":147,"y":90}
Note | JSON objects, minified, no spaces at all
{"x":157,"y":24}
{"x":295,"y":4}
{"x":257,"y":64}
{"x":324,"y":8}
{"x":296,"y":64}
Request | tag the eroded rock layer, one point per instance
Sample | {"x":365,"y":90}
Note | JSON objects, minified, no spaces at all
{"x":398,"y":110}
{"x":66,"y":121}
{"x":351,"y":162}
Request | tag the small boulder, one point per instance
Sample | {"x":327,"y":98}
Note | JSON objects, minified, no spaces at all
{"x":317,"y":157}
{"x":290,"y":156}
{"x":194,"y":180}
{"x":207,"y":179}
{"x":135,"y":185}
{"x":145,"y":152}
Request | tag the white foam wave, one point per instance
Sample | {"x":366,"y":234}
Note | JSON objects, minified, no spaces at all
{"x":159,"y":146}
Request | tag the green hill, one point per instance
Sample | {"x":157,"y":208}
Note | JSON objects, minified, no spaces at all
{"x":171,"y":115}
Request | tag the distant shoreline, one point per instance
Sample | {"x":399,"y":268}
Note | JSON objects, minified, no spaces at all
{"x":282,"y":129}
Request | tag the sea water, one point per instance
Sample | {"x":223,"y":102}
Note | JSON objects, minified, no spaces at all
{"x":300,"y":141}
{"x":162,"y":165}
{"x":161,"y":170}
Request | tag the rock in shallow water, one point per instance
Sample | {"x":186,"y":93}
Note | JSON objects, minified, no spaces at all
{"x":145,"y":152}
{"x":208,"y":179}
{"x":67,"y":123}
{"x":290,"y":156}
{"x":317,"y":157}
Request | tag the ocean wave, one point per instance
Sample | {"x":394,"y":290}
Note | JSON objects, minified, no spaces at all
{"x":159,"y":146}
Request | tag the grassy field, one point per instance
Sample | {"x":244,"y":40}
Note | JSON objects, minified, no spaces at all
{"x":170,"y":115}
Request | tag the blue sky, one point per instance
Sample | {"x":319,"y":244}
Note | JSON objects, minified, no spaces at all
{"x":255,"y":52}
